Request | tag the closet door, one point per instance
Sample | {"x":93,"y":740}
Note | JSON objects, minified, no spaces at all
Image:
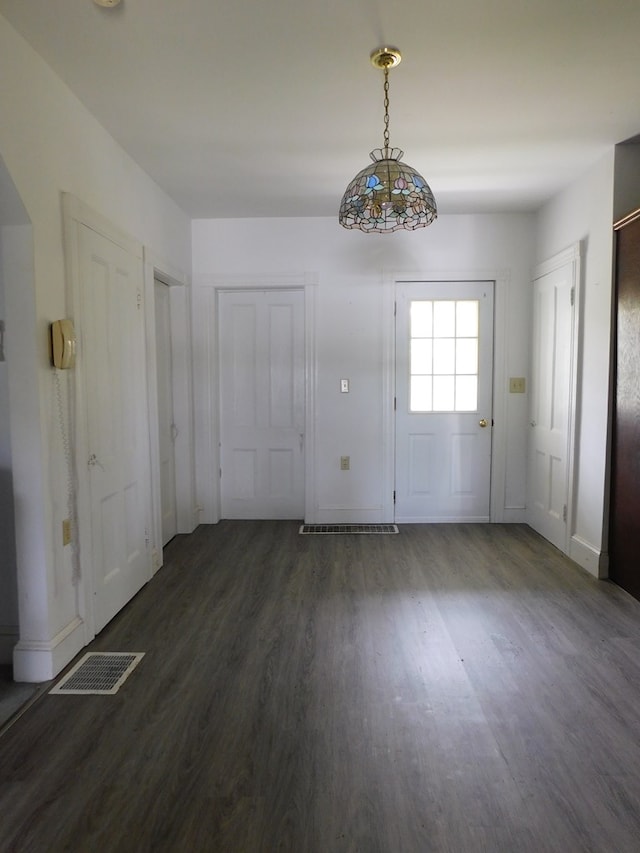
{"x":624,"y":525}
{"x":262,"y":394}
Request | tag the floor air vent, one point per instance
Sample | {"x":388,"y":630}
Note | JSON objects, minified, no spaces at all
{"x":348,"y":528}
{"x":99,"y":673}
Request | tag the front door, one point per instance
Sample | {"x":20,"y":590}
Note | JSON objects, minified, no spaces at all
{"x":262,"y":403}
{"x":444,"y":367}
{"x":113,"y":352}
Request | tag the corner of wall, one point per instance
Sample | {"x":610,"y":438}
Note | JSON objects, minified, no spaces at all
{"x":589,"y":557}
{"x":36,"y":662}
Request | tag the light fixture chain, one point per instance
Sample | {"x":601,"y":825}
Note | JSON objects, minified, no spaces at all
{"x":386,"y":108}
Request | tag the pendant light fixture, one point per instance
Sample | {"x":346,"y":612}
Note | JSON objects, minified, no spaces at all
{"x":388,"y":194}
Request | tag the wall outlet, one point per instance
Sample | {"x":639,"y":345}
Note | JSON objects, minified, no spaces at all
{"x":517,"y":385}
{"x":66,"y":531}
{"x":345,"y":463}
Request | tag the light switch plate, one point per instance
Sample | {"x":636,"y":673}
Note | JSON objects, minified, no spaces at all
{"x":344,"y":386}
{"x":517,"y":385}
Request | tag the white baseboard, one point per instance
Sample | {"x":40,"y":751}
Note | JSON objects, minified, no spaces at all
{"x":438,"y":519}
{"x":513,"y":515}
{"x":36,"y":662}
{"x":589,"y":557}
{"x":348,"y":515}
{"x":374,"y":515}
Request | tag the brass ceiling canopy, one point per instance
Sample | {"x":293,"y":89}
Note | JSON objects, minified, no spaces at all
{"x":386,"y":57}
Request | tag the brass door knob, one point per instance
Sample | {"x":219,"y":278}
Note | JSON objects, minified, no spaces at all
{"x":483,"y":422}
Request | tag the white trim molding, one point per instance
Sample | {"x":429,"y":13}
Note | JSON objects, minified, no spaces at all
{"x":338,"y":514}
{"x":41,"y":661}
{"x":591,"y":559}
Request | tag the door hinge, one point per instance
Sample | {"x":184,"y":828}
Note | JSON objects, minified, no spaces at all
{"x":139,"y":300}
{"x":394,"y":495}
{"x":573,"y":296}
{"x":220,"y":472}
{"x":564,"y":513}
{"x":147,"y":540}
{"x":395,"y":403}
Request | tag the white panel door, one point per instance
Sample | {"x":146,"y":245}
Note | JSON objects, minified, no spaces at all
{"x":262,"y":397}
{"x":552,"y":346}
{"x":444,"y":368}
{"x":166,"y":427}
{"x":113,"y":352}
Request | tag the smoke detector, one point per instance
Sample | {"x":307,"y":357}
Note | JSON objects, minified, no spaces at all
{"x":107,"y":3}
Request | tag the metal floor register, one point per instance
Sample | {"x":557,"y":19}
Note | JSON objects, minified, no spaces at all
{"x":99,"y":673}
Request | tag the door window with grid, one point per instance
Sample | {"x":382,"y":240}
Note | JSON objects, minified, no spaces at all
{"x":443,"y":361}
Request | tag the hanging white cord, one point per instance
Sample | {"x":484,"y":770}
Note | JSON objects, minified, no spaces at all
{"x":70,"y":472}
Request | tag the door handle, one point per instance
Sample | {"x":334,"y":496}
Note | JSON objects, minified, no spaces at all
{"x":483,"y":422}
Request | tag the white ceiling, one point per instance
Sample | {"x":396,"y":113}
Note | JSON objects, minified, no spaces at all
{"x":268,"y":107}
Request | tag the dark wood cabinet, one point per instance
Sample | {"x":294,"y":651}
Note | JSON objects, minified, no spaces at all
{"x":624,"y":521}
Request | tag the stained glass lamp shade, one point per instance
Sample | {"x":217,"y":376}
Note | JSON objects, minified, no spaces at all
{"x":388,"y":194}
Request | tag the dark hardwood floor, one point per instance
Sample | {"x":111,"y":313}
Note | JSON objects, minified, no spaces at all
{"x":452,"y":688}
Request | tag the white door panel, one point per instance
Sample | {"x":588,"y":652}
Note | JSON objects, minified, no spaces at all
{"x":550,"y":398}
{"x":166,"y":427}
{"x":443,"y":408}
{"x":262,"y":395}
{"x":113,"y":349}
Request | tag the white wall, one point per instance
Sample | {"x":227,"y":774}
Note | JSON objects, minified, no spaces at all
{"x":353,"y":323}
{"x":8,"y":569}
{"x":584,"y":212}
{"x":15,"y":237}
{"x":50,"y":144}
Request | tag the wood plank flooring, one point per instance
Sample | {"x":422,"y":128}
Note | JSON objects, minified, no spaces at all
{"x":451,"y":688}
